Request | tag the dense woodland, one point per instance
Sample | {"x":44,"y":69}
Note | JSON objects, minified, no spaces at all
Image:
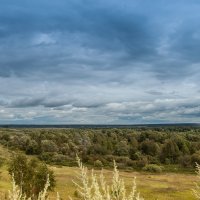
{"x":152,"y":149}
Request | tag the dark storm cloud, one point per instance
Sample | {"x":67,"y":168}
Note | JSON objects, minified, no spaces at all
{"x":22,"y":103}
{"x":99,"y":61}
{"x":99,"y":26}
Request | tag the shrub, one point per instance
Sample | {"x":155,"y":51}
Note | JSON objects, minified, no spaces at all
{"x":142,"y":162}
{"x":98,"y":163}
{"x":185,"y":161}
{"x":195,"y":158}
{"x":136,"y":156}
{"x":153,"y":168}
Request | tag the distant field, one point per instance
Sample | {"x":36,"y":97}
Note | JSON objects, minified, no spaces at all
{"x":168,"y":186}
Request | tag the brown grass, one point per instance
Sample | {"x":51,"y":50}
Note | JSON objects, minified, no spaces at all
{"x":168,"y":186}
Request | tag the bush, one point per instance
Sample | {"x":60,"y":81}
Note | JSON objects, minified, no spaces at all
{"x":98,"y":163}
{"x":195,"y":158}
{"x":185,"y":161}
{"x":153,"y":168}
{"x":142,"y":162}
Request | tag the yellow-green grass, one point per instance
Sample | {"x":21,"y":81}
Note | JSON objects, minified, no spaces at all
{"x":151,"y":186}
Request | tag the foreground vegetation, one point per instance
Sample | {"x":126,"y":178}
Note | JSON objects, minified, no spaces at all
{"x":152,"y":186}
{"x":168,"y":186}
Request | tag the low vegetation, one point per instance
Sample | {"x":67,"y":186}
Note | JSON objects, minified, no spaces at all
{"x":88,"y":187}
{"x":93,"y":187}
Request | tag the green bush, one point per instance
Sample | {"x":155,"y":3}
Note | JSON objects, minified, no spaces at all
{"x":153,"y":168}
{"x":185,"y":161}
{"x":142,"y":162}
{"x":30,"y":175}
{"x":98,"y":163}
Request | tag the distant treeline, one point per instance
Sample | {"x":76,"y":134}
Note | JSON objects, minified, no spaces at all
{"x":131,"y":148}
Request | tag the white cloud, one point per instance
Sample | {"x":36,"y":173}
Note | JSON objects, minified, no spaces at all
{"x":43,"y":39}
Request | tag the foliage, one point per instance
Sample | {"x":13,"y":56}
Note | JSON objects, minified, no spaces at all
{"x":153,"y":168}
{"x":30,"y":175}
{"x":130,"y":147}
{"x":98,"y":163}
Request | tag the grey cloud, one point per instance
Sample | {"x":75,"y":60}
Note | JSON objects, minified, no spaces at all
{"x":26,"y":102}
{"x":154,"y":92}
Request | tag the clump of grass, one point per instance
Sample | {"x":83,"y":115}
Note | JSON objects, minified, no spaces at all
{"x":196,"y":191}
{"x":16,"y":192}
{"x":96,"y":188}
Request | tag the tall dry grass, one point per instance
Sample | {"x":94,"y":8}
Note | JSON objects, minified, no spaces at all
{"x":196,"y":191}
{"x":16,"y":192}
{"x":95,"y":188}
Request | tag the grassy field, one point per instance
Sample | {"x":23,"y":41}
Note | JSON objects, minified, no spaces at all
{"x":152,"y":186}
{"x":165,"y":186}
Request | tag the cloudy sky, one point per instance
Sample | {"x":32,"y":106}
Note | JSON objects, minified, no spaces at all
{"x":99,"y":61}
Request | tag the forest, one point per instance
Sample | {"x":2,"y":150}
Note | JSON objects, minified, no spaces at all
{"x":153,"y":149}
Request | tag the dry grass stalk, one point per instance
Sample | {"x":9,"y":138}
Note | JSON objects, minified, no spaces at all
{"x":94,"y":188}
{"x":197,"y":190}
{"x":16,"y":192}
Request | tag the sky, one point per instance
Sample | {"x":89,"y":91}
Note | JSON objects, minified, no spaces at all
{"x":99,"y":61}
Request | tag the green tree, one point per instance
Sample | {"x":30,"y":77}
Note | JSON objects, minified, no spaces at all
{"x":30,"y":175}
{"x":170,"y":151}
{"x":122,"y":148}
{"x":149,"y":147}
